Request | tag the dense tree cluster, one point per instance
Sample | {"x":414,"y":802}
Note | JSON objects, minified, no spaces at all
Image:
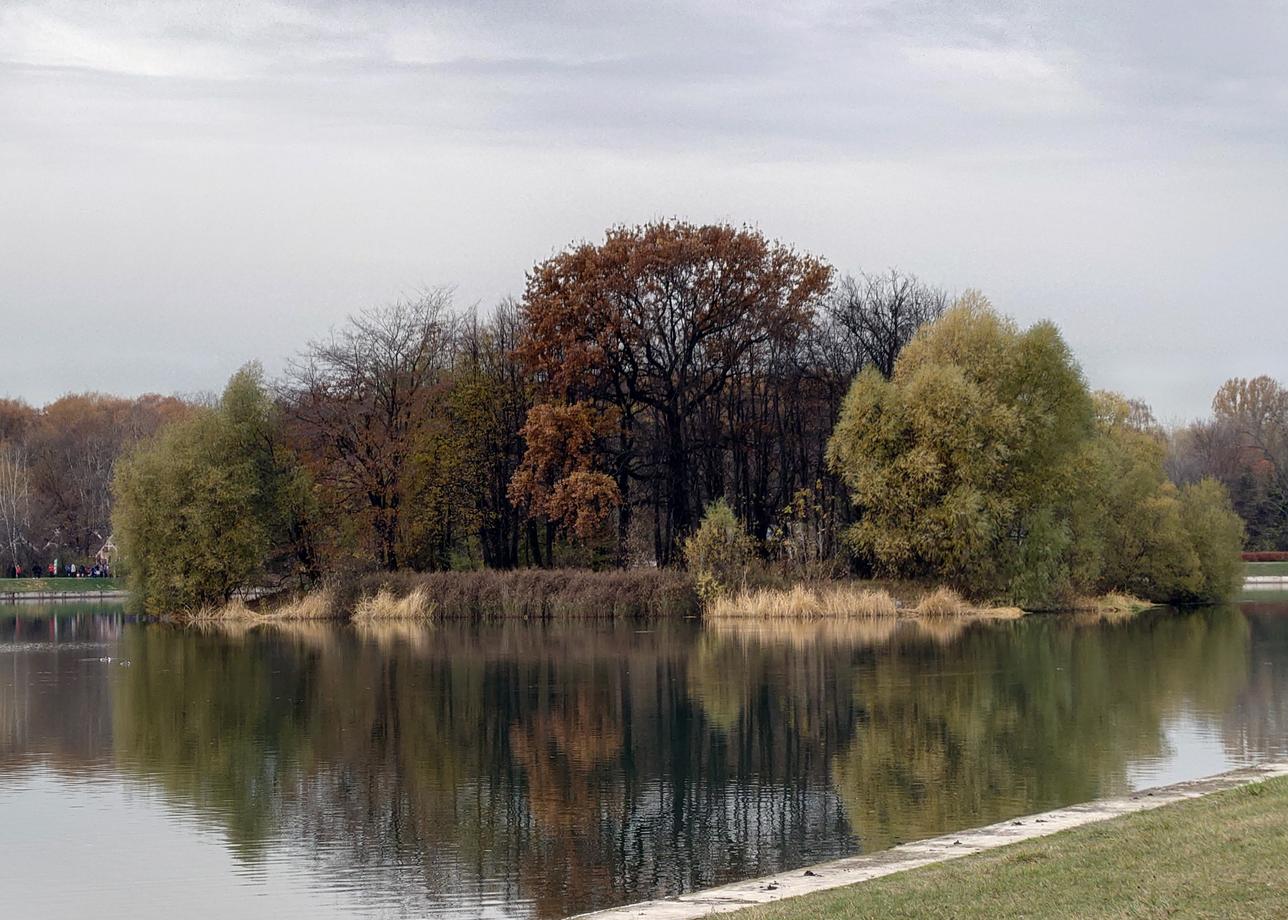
{"x":1244,"y":446}
{"x":56,"y":466}
{"x":986,"y":461}
{"x":217,"y":500}
{"x":637,"y":381}
{"x":642,"y":378}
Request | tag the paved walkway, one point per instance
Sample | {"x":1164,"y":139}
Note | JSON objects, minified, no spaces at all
{"x":853,"y":869}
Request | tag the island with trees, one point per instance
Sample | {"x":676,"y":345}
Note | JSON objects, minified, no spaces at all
{"x":672,"y":418}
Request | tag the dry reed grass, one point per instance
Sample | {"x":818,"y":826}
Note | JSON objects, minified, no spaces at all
{"x":314,"y":605}
{"x":848,"y":601}
{"x":385,"y":605}
{"x":943,"y":603}
{"x":525,"y":594}
{"x":1111,"y":608}
{"x":235,"y":610}
{"x":532,"y":594}
{"x":802,"y":603}
{"x":1120,"y":603}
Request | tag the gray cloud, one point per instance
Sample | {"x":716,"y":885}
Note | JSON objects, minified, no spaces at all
{"x":187,"y":185}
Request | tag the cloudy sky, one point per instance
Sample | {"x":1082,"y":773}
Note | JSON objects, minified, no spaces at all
{"x":188,"y":185}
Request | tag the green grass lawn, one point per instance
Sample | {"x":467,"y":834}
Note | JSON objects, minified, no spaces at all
{"x":59,"y":585}
{"x":1225,"y":855}
{"x":1266,"y":568}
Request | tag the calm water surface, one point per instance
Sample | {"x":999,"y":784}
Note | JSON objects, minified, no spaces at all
{"x":535,"y":771}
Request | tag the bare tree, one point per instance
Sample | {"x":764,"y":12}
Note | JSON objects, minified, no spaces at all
{"x":880,"y":314}
{"x":358,"y":400}
{"x":15,"y":499}
{"x":1204,"y":449}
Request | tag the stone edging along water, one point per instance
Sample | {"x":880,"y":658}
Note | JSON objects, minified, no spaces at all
{"x":1253,"y":582}
{"x":853,"y":869}
{"x":14,"y":597}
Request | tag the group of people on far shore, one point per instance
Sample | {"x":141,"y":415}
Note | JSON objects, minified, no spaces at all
{"x":54,"y":570}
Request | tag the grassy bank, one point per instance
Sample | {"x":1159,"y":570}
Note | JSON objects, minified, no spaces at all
{"x":848,"y":600}
{"x":59,"y":585}
{"x":544,"y":594}
{"x":1265,"y":568}
{"x":1219,"y":856}
{"x":885,"y":599}
{"x":525,"y":594}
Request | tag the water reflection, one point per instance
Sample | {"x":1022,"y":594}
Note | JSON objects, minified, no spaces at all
{"x":542,"y":770}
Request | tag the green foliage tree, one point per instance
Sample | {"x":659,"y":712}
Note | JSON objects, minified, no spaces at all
{"x":1146,"y":536}
{"x":1216,"y":534}
{"x":960,"y":465}
{"x":1135,"y":540}
{"x":719,"y":552}
{"x":212,"y":503}
{"x":985,"y":462}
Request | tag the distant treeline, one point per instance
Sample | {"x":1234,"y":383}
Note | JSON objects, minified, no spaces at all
{"x":592,"y":422}
{"x":56,"y":467}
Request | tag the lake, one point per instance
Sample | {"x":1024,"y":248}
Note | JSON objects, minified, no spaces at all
{"x":521,"y":770}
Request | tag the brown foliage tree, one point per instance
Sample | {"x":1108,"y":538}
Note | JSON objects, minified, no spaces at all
{"x":655,"y":322}
{"x":359,"y":401}
{"x":72,"y":450}
{"x":557,"y":480}
{"x":16,"y":419}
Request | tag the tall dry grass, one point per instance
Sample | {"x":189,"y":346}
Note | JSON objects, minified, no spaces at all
{"x":802,"y":602}
{"x":1111,"y":608}
{"x":848,"y":601}
{"x":385,"y":605}
{"x":942,"y":603}
{"x":313,"y":605}
{"x":527,"y":594}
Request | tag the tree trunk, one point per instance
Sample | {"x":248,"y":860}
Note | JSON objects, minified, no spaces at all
{"x":678,"y":520}
{"x":623,"y":517}
{"x":534,"y":545}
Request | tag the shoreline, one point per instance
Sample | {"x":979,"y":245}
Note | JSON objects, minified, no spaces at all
{"x":633,"y":594}
{"x":851,"y":870}
{"x":539,"y":607}
{"x":108,"y":594}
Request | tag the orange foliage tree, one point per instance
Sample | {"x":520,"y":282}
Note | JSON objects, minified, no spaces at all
{"x":652,"y":323}
{"x":556,"y":479}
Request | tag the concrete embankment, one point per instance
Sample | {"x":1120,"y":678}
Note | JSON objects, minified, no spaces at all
{"x":1266,"y":582}
{"x":848,"y":871}
{"x":60,"y":597}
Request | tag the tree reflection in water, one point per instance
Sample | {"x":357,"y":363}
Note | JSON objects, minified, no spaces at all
{"x":565,"y":767}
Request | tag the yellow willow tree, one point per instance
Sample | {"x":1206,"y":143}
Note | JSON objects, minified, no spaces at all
{"x":214,"y":503}
{"x":985,"y":462}
{"x":960,"y":464}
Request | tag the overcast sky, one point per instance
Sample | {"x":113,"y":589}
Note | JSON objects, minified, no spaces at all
{"x":185,"y":186}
